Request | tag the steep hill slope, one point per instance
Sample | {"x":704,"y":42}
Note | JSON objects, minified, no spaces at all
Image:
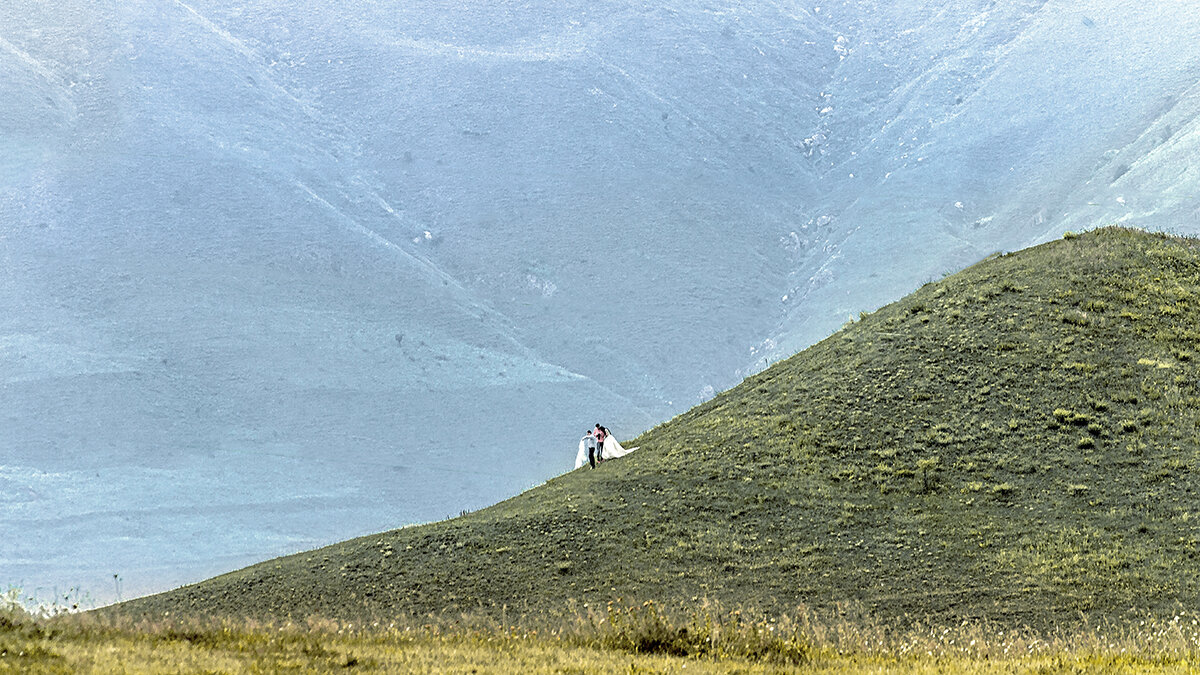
{"x":1017,"y":441}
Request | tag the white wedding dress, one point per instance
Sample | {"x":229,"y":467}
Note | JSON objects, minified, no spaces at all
{"x":612,"y":450}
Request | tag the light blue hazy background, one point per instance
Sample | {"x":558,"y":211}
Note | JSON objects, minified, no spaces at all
{"x":278,"y":273}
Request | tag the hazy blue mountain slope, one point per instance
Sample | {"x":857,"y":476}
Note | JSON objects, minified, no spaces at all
{"x":980,"y":127}
{"x":276,"y":273}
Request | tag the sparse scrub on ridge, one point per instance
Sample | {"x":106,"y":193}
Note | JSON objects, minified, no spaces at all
{"x":1064,"y":491}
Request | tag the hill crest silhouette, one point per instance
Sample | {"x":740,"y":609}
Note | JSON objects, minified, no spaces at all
{"x":1017,"y":442}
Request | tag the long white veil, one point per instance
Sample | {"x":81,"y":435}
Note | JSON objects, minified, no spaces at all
{"x":613,"y":449}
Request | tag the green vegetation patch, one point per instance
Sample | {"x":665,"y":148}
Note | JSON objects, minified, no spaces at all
{"x":1016,"y":443}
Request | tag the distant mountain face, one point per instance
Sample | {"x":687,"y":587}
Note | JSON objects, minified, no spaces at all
{"x":276,"y":274}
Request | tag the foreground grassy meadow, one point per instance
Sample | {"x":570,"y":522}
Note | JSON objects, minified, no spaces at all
{"x":646,"y":641}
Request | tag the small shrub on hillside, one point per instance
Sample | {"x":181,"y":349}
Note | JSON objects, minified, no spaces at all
{"x":941,"y":434}
{"x":1071,"y":417}
{"x":1085,"y":442}
{"x":926,"y":466}
{"x":842,"y":475}
{"x":1076,"y":318}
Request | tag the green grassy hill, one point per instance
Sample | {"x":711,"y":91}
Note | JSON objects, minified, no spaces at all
{"x":1018,"y":442}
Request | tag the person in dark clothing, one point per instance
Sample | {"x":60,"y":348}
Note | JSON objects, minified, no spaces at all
{"x":589,"y":442}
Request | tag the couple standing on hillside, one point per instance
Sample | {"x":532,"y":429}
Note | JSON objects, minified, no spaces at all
{"x":598,"y":445}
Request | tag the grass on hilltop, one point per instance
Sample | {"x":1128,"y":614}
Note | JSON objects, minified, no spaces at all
{"x":1017,"y":443}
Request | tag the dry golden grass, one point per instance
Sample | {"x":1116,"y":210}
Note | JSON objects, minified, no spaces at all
{"x":634,"y":638}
